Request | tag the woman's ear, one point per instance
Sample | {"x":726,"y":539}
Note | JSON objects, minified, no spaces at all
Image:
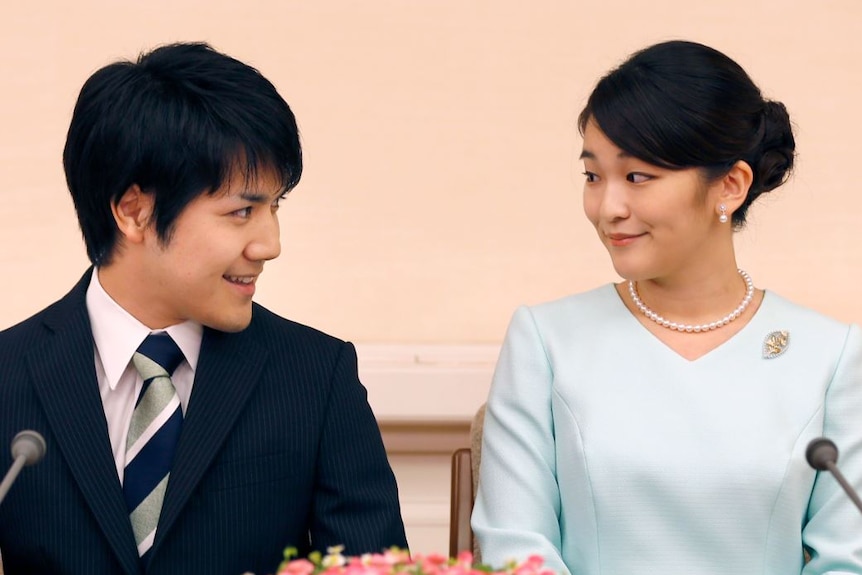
{"x":132,"y":213}
{"x":735,"y":185}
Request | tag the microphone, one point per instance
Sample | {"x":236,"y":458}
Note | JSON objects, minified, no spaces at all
{"x":28,"y":448}
{"x":822,"y":455}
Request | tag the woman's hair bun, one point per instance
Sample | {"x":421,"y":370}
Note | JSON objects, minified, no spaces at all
{"x":772,"y":160}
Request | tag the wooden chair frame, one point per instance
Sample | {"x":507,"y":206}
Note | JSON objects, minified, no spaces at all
{"x":461,"y":503}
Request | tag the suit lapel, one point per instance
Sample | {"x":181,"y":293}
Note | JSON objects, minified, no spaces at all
{"x":65,"y":380}
{"x":228,"y":371}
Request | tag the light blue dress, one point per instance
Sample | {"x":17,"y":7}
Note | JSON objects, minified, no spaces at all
{"x":608,"y":453}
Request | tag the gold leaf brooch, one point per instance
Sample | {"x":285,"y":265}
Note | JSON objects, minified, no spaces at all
{"x":775,"y":344}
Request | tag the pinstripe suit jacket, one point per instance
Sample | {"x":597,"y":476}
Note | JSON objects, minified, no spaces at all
{"x":279,"y":447}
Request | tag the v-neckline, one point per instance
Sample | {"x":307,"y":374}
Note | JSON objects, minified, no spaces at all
{"x":630,"y":316}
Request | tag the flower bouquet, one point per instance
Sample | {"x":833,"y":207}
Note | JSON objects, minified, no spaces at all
{"x":399,"y":562}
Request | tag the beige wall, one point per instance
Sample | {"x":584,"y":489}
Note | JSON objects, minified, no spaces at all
{"x":441,"y":186}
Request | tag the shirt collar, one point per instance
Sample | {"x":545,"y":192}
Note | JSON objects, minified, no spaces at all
{"x":117,"y":334}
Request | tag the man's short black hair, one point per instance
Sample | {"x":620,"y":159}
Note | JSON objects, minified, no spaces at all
{"x":176,"y":123}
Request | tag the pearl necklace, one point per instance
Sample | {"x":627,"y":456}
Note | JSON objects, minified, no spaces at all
{"x":749,"y":295}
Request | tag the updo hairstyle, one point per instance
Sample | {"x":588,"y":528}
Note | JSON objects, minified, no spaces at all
{"x":681,"y":104}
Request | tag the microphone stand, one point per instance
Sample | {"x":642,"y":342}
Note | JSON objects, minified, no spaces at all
{"x":28,"y":448}
{"x":822,"y":455}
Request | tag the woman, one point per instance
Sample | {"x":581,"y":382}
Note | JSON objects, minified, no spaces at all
{"x":660,"y":425}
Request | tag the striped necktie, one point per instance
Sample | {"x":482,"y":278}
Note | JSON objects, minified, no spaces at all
{"x":153,"y":435}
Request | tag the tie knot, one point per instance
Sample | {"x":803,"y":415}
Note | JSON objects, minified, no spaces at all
{"x":160,"y":348}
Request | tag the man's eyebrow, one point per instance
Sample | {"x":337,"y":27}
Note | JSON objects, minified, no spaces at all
{"x":258,"y":197}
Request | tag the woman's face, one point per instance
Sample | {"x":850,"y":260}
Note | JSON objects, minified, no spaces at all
{"x":655,"y":223}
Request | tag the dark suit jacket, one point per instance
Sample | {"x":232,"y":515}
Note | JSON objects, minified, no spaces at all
{"x":279,"y":447}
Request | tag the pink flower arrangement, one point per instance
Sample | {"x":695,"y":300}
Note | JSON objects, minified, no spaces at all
{"x":399,"y":562}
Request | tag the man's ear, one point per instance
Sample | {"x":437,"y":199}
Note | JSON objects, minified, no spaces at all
{"x":132,"y":213}
{"x":735,"y":185}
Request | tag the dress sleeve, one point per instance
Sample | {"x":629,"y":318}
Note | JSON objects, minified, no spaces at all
{"x":517,"y":510}
{"x":833,"y":532}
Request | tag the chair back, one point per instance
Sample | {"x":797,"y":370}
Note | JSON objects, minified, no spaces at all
{"x":465,"y":484}
{"x":461,"y":502}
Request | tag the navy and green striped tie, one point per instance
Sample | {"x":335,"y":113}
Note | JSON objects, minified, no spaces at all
{"x":153,"y":436}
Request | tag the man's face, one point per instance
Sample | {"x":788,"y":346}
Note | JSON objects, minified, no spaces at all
{"x":207,"y":270}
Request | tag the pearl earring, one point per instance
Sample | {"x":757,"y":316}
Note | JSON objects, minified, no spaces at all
{"x":722,"y":217}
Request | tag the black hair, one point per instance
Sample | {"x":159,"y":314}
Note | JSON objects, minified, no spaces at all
{"x":681,"y":104}
{"x":176,"y":122}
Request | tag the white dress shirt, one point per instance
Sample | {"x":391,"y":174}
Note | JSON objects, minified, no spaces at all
{"x":117,"y":336}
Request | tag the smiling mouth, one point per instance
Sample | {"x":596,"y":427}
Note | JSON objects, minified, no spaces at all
{"x":623,"y":239}
{"x":241,"y":280}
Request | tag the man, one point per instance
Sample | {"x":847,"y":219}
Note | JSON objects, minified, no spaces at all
{"x":256,"y":434}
